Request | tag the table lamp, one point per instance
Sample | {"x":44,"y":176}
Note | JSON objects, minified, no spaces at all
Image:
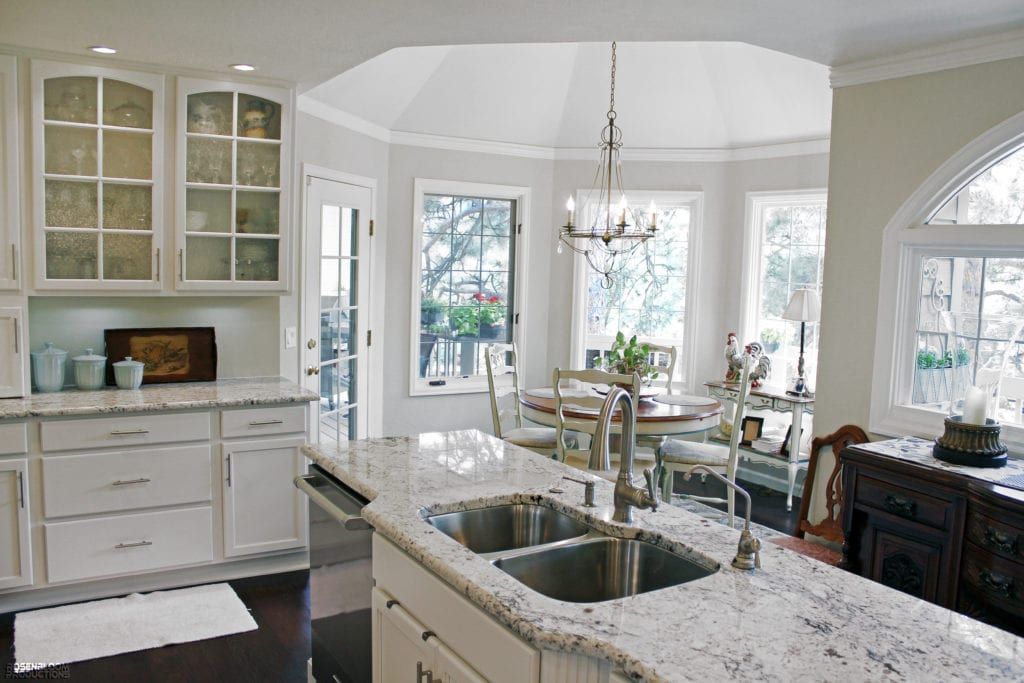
{"x":804,"y":307}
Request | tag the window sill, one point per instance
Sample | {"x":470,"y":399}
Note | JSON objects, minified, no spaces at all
{"x":452,"y":386}
{"x":911,"y":421}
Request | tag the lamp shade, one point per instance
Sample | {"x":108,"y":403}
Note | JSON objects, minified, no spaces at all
{"x":804,"y":306}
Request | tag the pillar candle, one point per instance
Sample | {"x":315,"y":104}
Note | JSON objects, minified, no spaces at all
{"x":974,"y":406}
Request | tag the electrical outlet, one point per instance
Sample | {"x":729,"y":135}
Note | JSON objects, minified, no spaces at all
{"x":290,"y":337}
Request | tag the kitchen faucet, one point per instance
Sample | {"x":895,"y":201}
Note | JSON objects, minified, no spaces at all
{"x":748,"y":555}
{"x":627,"y":496}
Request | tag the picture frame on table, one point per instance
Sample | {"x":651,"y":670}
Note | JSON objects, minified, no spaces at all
{"x":785,"y":444}
{"x":752,"y":429}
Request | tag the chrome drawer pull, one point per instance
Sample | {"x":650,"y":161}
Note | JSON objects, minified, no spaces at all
{"x":1001,"y":541}
{"x":139,"y":544}
{"x":260,"y":423}
{"x":903,"y":507}
{"x":126,"y":482}
{"x":128,"y":432}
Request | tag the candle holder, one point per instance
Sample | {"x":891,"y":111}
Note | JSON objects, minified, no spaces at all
{"x":970,"y":444}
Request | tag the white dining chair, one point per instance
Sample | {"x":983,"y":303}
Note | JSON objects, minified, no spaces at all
{"x":664,"y":362}
{"x":679,"y":456}
{"x":502,"y":380}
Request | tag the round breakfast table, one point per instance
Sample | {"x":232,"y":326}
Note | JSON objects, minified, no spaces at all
{"x":653,"y":418}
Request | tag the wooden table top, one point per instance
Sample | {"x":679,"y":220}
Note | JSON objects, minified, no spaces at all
{"x":648,"y":410}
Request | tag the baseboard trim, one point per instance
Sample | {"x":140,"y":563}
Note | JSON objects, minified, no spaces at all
{"x":47,"y":596}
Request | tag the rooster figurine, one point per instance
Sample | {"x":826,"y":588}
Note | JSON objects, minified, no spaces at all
{"x":763,"y":364}
{"x":733,"y":359}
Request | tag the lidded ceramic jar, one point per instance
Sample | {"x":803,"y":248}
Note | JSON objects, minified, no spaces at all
{"x":90,"y":370}
{"x":128,"y":373}
{"x":48,"y":368}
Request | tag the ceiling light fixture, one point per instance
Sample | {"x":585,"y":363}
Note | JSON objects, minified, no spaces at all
{"x":243,"y":67}
{"x":103,"y":49}
{"x":610,"y":238}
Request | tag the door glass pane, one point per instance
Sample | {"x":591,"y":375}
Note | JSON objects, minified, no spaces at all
{"x":129,"y":207}
{"x":71,"y":255}
{"x":126,"y":105}
{"x":70,"y":151}
{"x":207,"y":210}
{"x":259,"y":164}
{"x":71,"y":98}
{"x":127,"y":257}
{"x":209,"y":258}
{"x":70,"y":204}
{"x":257,"y":213}
{"x":209,"y":113}
{"x":256,"y":259}
{"x":127,"y":155}
{"x":208,"y":161}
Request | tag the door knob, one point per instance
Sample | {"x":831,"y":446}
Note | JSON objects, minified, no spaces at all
{"x":311,"y":344}
{"x":312,"y":370}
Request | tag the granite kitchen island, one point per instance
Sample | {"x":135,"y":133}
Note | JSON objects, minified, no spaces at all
{"x":793,"y":619}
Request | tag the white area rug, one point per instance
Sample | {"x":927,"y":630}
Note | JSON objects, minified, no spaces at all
{"x":60,"y":635}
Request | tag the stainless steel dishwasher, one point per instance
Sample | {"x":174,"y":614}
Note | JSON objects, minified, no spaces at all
{"x":340,"y":580}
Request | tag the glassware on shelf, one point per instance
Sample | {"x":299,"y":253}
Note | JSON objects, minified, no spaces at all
{"x":208,"y":161}
{"x":259,"y":164}
{"x":256,"y":259}
{"x":71,"y":99}
{"x":127,"y":105}
{"x":207,"y":210}
{"x":69,"y":151}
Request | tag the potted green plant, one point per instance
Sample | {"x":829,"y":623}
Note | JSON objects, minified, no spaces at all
{"x":492,"y":317}
{"x":431,"y":311}
{"x":628,"y":356}
{"x":771,"y":339}
{"x":464,"y":321}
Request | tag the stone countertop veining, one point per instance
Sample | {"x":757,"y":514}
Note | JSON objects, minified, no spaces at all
{"x":222,"y":393}
{"x":794,"y":619}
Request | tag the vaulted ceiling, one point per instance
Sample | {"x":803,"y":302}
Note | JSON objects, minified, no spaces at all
{"x":668,"y":95}
{"x":313,"y":40}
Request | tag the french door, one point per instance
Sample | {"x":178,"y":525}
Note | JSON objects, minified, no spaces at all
{"x":336,"y":298}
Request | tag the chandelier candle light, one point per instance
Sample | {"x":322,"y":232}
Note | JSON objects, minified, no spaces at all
{"x":610,"y":237}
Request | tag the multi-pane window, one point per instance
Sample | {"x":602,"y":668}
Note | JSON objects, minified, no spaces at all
{"x":790,"y":249}
{"x":467,"y":257}
{"x":993,"y":197}
{"x":647,"y":297}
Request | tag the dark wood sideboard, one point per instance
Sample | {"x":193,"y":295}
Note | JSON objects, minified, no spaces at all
{"x":936,"y":533}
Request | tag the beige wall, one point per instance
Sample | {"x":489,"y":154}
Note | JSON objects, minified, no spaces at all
{"x":887,"y":138}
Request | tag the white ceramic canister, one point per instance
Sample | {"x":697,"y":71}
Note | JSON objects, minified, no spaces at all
{"x":90,"y":370}
{"x":128,"y":373}
{"x":48,"y":368}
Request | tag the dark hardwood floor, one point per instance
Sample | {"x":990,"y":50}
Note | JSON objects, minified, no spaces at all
{"x":277,"y":651}
{"x":769,"y":505}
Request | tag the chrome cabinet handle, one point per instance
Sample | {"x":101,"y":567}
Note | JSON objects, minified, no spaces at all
{"x":904,"y":507}
{"x":181,"y":265}
{"x":14,"y":261}
{"x":127,"y":482}
{"x":158,"y":264}
{"x":423,"y":675}
{"x":229,"y":469}
{"x":350,"y":522}
{"x":260,"y":423}
{"x":138,"y":544}
{"x":21,"y":489}
{"x":128,"y":432}
{"x":17,"y":350}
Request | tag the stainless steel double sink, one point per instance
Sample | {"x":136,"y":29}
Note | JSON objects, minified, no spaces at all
{"x":563,"y":558}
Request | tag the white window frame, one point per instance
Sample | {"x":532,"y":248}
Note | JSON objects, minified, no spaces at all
{"x":753,"y":248}
{"x":419,"y":386}
{"x":907,"y":238}
{"x":686,"y":359}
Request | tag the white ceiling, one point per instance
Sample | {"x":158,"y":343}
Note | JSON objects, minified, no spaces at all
{"x":668,"y":95}
{"x":310,"y":41}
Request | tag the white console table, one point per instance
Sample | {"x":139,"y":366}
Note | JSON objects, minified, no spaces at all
{"x":767,"y":398}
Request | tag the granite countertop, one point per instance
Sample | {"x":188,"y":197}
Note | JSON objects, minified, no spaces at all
{"x":248,"y":391}
{"x":794,"y":619}
{"x":918,"y":451}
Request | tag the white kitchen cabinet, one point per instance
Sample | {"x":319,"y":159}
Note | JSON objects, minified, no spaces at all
{"x":97,"y":177}
{"x":15,"y":542}
{"x":233,"y":183}
{"x":404,"y":648}
{"x":13,"y":354}
{"x":10,"y":224}
{"x":263,"y":511}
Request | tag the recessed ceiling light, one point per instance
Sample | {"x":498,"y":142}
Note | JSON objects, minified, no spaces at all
{"x":243,"y":67}
{"x":103,"y":49}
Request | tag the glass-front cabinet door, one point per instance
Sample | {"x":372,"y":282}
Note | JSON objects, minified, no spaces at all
{"x":233,"y":168}
{"x":10,"y":224}
{"x":97,"y":148}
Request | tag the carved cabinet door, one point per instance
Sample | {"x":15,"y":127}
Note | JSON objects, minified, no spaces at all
{"x":909,"y":562}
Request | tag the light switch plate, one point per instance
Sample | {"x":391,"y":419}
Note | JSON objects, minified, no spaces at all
{"x":290,"y":337}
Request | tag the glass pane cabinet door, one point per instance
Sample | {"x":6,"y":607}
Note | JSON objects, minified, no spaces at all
{"x":97,"y":204}
{"x":234,"y":155}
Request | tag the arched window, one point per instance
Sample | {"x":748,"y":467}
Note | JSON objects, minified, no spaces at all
{"x":951,"y":303}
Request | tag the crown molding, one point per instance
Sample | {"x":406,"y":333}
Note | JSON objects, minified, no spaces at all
{"x":357,"y":124}
{"x":980,"y":50}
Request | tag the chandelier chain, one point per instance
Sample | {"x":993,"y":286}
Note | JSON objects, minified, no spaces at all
{"x":611,"y":102}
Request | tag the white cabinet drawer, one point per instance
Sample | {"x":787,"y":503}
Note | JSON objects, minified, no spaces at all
{"x":13,"y":438}
{"x":131,"y":543}
{"x":135,"y":430}
{"x":286,"y":419}
{"x":126,"y":480}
